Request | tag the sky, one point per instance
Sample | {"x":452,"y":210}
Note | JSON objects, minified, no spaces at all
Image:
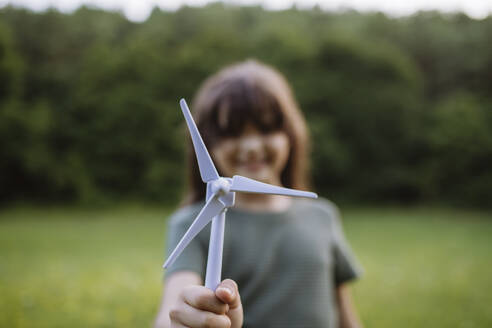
{"x":138,"y":10}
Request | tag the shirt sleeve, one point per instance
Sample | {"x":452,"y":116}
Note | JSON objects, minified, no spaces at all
{"x":193,"y":257}
{"x":346,"y":265}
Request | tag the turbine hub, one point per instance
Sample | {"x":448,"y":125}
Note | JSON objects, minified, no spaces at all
{"x":221,"y":186}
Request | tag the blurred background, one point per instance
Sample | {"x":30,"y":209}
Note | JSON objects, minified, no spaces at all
{"x":398,"y":100}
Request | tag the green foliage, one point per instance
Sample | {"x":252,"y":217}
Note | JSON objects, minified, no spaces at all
{"x":462,"y":138}
{"x":88,"y":100}
{"x":369,"y":93}
{"x":10,"y":67}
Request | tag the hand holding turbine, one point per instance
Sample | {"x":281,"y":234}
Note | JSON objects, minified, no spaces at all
{"x":220,"y":196}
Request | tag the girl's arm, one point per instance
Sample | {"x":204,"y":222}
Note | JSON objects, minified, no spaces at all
{"x":347,"y":313}
{"x":186,"y":303}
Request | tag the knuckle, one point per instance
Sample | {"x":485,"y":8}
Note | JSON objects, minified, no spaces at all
{"x":194,"y":294}
{"x":209,"y":321}
{"x":174,"y":313}
{"x":187,"y":290}
{"x":184,"y":292}
{"x":227,"y":323}
{"x":202,"y":300}
{"x":216,"y":321}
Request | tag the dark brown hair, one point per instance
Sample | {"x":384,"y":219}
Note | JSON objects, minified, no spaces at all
{"x":248,"y":92}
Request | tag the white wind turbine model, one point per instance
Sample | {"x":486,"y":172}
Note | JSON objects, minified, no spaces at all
{"x":220,"y":196}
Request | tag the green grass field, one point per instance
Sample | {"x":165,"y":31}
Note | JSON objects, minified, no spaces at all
{"x":66,"y":267}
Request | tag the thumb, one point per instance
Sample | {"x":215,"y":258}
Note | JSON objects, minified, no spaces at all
{"x":228,"y":292}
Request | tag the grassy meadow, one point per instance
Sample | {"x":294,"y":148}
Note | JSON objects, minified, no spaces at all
{"x":70,"y":267}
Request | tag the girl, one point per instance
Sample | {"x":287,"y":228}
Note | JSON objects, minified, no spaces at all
{"x":287,"y":259}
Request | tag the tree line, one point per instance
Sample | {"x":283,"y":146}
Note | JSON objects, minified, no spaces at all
{"x":400,"y":109}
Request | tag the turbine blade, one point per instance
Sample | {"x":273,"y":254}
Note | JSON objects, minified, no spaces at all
{"x":240,"y":183}
{"x":211,"y":209}
{"x":205,"y":164}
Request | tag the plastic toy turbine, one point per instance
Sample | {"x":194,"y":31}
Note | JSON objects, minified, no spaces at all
{"x":220,"y":196}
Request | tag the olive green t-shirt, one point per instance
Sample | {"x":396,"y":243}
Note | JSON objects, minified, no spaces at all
{"x":286,"y":264}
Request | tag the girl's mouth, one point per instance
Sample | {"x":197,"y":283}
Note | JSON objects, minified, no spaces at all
{"x":254,"y":165}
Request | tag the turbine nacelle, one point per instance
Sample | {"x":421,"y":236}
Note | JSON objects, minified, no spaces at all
{"x":221,"y":186}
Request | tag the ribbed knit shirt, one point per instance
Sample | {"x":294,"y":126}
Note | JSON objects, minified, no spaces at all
{"x":286,"y":264}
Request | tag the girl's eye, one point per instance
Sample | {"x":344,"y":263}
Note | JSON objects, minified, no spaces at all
{"x":230,"y":131}
{"x":270,"y":123}
{"x":266,"y":129}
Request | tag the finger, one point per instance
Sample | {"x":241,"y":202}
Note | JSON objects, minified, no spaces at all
{"x":177,"y":325}
{"x":203,"y":299}
{"x":190,"y":317}
{"x":228,"y":293}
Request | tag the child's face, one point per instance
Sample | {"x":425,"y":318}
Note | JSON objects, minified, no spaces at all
{"x":253,"y":154}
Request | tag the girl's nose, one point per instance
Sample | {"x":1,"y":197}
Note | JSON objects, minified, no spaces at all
{"x":251,"y":143}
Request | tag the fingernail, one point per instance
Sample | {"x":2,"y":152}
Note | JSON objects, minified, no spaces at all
{"x":227,"y":290}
